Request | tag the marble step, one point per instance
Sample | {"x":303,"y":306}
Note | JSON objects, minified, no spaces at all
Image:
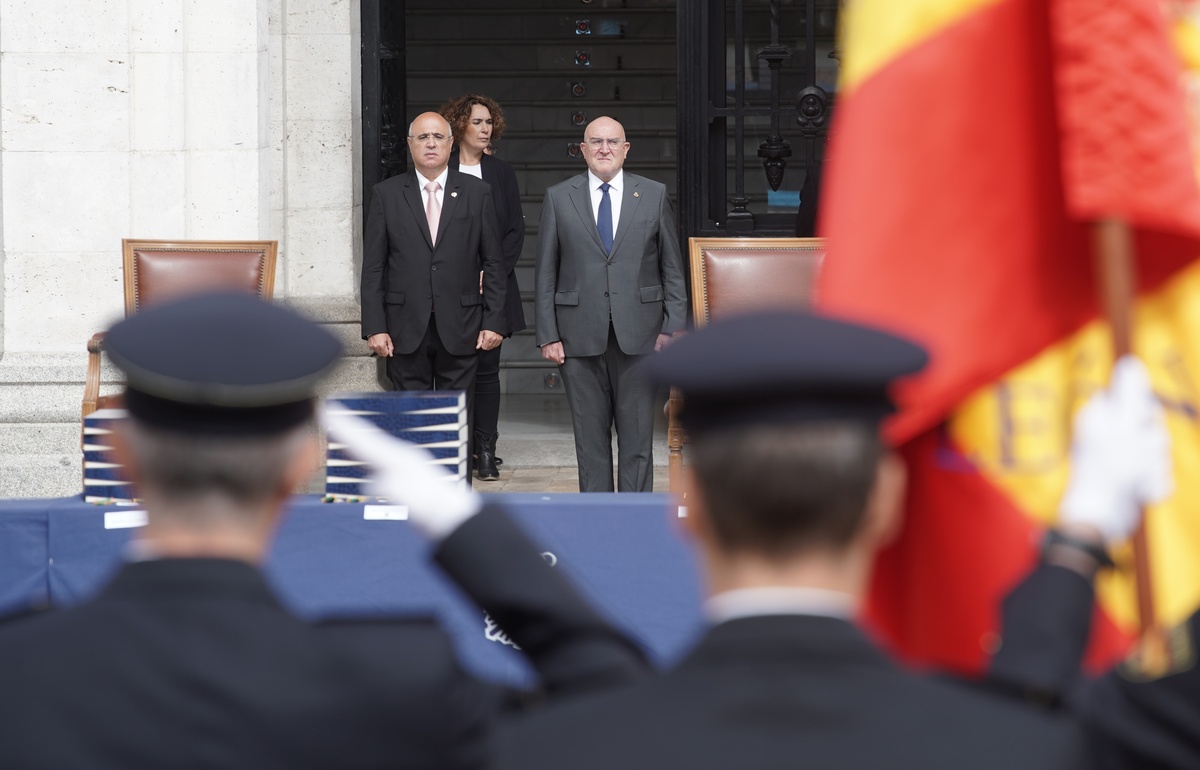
{"x":529,"y":7}
{"x":57,"y":474}
{"x":504,"y":87}
{"x":585,"y":53}
{"x":534,"y":23}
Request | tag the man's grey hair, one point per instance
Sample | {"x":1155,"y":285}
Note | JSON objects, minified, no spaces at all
{"x":198,"y":473}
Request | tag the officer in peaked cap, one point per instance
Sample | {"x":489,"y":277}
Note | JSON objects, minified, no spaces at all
{"x":187,"y":659}
{"x":814,"y":369}
{"x":221,"y":365}
{"x":790,"y":492}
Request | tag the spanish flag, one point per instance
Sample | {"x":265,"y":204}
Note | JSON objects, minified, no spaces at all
{"x":976,"y":142}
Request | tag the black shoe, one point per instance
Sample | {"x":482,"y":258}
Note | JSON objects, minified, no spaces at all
{"x":485,"y":452}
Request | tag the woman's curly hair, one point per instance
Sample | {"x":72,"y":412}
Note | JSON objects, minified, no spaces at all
{"x":457,"y":113}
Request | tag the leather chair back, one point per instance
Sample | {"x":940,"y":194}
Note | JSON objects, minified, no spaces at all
{"x":157,"y":271}
{"x":738,"y":275}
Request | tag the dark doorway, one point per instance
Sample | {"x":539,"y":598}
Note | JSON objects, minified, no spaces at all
{"x":757,"y":80}
{"x":553,"y":65}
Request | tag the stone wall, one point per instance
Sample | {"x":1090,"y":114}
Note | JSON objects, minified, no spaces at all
{"x":203,"y":119}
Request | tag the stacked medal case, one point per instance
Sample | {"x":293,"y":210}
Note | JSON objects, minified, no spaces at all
{"x":437,"y":420}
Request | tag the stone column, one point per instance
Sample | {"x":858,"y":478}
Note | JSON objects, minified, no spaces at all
{"x":315,"y":136}
{"x":118,"y":118}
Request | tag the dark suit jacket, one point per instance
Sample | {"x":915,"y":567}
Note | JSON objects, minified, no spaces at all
{"x":1132,"y":721}
{"x":507,"y":197}
{"x":786,"y":692}
{"x":579,"y":287}
{"x":404,"y":278}
{"x":192,"y":663}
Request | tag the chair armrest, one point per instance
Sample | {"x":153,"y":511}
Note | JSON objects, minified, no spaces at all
{"x":91,"y":384}
{"x":676,"y":438}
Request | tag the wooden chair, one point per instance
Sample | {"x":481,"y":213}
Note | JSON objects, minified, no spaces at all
{"x":156,"y":271}
{"x":739,"y":275}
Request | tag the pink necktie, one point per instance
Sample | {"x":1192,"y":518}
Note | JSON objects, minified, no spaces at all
{"x":433,"y":211}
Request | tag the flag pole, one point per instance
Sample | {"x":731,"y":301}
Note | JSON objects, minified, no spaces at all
{"x":1112,"y":239}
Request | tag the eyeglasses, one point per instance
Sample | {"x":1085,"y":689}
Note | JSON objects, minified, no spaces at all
{"x":596,"y":143}
{"x":439,"y":138}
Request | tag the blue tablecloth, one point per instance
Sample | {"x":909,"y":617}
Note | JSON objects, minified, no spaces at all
{"x":328,"y":560}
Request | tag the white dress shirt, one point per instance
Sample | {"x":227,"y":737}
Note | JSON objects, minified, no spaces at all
{"x":475,"y":171}
{"x":778,"y":600}
{"x":617,"y":184}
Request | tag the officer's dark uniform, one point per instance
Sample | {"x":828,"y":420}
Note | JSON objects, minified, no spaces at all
{"x":193,"y":663}
{"x":1134,"y":718}
{"x":786,"y":690}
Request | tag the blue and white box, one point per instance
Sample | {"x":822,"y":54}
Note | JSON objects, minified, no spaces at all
{"x":437,"y":420}
{"x":104,"y":478}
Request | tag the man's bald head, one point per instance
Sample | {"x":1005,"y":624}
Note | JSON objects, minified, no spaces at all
{"x":429,"y":144}
{"x":605,"y":148}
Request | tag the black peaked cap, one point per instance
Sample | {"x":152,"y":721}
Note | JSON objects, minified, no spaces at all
{"x":781,"y":366}
{"x":226,"y":363}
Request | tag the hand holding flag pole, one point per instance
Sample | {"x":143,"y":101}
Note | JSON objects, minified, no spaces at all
{"x":1113,"y":247}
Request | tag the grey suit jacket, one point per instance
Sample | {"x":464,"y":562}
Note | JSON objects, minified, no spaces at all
{"x":640,"y":285}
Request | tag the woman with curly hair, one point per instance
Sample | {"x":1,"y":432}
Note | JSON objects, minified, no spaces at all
{"x":477,"y":121}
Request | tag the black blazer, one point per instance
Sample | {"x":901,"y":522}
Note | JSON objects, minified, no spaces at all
{"x":786,"y":692}
{"x":192,"y":663}
{"x":405,"y":279}
{"x":1133,"y":720}
{"x":511,"y":219}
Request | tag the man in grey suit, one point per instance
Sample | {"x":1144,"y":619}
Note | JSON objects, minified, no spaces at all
{"x":610,"y":289}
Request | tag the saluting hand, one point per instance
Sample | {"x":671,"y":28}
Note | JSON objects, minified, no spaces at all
{"x":404,"y":473}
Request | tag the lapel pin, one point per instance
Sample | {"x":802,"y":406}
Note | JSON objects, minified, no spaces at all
{"x":453,"y":195}
{"x":636,"y":194}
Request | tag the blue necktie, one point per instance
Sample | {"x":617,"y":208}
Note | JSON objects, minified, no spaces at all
{"x":604,"y":219}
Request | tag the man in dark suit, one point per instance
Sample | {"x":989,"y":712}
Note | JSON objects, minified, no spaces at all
{"x":1145,"y":714}
{"x":429,"y":234}
{"x":790,"y":493}
{"x":187,"y":659}
{"x":609,"y":290}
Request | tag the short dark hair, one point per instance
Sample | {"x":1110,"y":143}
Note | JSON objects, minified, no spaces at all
{"x":777,"y":489}
{"x":457,"y":113}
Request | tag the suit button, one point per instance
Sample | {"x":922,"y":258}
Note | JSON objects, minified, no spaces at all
{"x":606,"y":294}
{"x":435,"y":267}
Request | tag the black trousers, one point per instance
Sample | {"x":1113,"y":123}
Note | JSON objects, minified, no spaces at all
{"x":487,"y":392}
{"x":432,"y":367}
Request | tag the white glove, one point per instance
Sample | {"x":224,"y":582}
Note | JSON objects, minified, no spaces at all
{"x":1120,"y":455}
{"x":405,"y":473}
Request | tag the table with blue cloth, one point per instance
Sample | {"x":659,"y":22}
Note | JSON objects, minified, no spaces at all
{"x":333,"y":559}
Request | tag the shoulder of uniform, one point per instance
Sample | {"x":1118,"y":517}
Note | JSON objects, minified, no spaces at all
{"x":376,"y":621}
{"x":370,"y":636}
{"x":18,"y":615}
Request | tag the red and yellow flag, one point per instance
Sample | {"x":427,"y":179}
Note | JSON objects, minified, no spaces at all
{"x":975,"y":142}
